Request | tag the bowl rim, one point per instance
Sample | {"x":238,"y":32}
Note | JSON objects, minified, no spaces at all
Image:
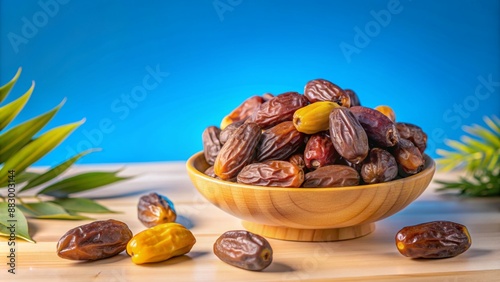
{"x":429,"y":168}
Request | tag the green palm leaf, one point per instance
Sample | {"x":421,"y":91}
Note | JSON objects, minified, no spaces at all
{"x":493,"y":123}
{"x":80,"y":183}
{"x":81,"y":205}
{"x":10,"y":111}
{"x":54,"y":172}
{"x":38,"y":148}
{"x":26,"y":176}
{"x":487,"y":135}
{"x":5,"y":89}
{"x":20,"y":221}
{"x":473,"y":153}
{"x":15,"y":138}
{"x":479,"y":154}
{"x":49,"y":210}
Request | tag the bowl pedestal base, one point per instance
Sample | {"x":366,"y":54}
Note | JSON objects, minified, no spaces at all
{"x":309,"y":235}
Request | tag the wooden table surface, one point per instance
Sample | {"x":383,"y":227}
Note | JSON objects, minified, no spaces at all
{"x":370,"y":258}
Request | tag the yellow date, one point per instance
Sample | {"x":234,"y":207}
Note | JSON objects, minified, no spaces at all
{"x":160,"y":243}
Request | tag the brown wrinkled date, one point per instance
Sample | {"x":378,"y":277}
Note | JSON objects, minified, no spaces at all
{"x":154,"y":209}
{"x":433,"y":240}
{"x":210,"y":172}
{"x":298,"y":160}
{"x":228,"y":131}
{"x":331,"y":176}
{"x":380,"y":166}
{"x":348,"y":136}
{"x":279,"y":142}
{"x":381,"y":131}
{"x":324,"y":90}
{"x":272,"y":173}
{"x":413,"y":133}
{"x":353,"y":97}
{"x":319,"y":151}
{"x":403,"y":130}
{"x":211,"y":143}
{"x":244,"y":249}
{"x":238,"y":151}
{"x":243,"y":111}
{"x":94,"y":241}
{"x":408,"y":157}
{"x":278,"y":109}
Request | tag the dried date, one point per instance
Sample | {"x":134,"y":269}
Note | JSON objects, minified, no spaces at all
{"x":244,"y":249}
{"x":408,"y":157}
{"x":403,"y":130}
{"x":278,"y":109}
{"x":413,"y":133}
{"x":272,"y":173}
{"x":228,"y":131}
{"x":348,"y":136}
{"x":332,"y":176}
{"x":353,"y":97}
{"x":210,"y":172}
{"x":160,"y":243}
{"x":381,"y":131}
{"x":324,"y":90}
{"x":211,"y":143}
{"x":238,"y":151}
{"x":313,"y":118}
{"x":94,"y":241}
{"x":319,"y":151}
{"x":243,"y":111}
{"x":279,"y":142}
{"x":380,"y":166}
{"x":387,"y":111}
{"x":298,"y":160}
{"x":436,"y":239}
{"x":154,"y":209}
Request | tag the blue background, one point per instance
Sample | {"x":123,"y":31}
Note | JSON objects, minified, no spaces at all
{"x":425,"y":59}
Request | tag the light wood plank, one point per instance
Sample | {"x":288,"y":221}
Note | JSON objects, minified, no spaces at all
{"x":370,"y":258}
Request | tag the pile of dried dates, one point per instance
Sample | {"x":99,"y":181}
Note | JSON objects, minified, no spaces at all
{"x":322,"y":138}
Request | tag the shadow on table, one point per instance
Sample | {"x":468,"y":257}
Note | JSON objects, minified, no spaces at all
{"x":176,"y":260}
{"x":470,"y":253}
{"x":121,"y":195}
{"x":187,"y":222}
{"x":110,"y":260}
{"x":477,"y":252}
{"x":277,"y":267}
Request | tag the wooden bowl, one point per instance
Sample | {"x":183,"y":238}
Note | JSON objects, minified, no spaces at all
{"x":309,"y":214}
